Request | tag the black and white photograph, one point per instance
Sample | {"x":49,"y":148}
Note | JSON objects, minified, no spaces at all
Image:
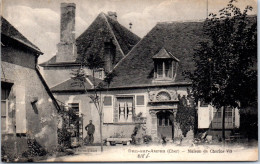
{"x":129,"y":80}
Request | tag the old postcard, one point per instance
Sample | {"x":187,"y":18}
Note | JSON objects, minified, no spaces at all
{"x":129,"y":80}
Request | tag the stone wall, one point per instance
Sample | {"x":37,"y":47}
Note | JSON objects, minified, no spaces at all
{"x":38,"y":120}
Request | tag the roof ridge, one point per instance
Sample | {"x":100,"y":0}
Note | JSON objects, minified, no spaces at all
{"x":132,"y":49}
{"x":22,"y":39}
{"x":110,"y":29}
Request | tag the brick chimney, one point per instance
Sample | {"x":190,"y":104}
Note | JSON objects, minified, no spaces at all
{"x":67,"y":48}
{"x":112,"y":15}
{"x":109,"y":55}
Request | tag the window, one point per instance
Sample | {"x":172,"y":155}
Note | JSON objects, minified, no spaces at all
{"x":168,"y":69}
{"x":140,"y":100}
{"x":165,"y":65}
{"x":125,"y":109}
{"x":107,"y":100}
{"x":160,"y":70}
{"x":5,"y":92}
{"x":229,"y":118}
{"x":217,"y":118}
{"x":75,"y":121}
{"x":4,"y":108}
{"x":164,"y":69}
{"x":163,"y":119}
{"x":74,"y":107}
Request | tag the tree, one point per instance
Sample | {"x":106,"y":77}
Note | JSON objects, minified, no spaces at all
{"x":224,"y":74}
{"x":186,"y":114}
{"x":94,"y":63}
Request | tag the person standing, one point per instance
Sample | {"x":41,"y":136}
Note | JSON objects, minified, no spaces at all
{"x":90,"y":128}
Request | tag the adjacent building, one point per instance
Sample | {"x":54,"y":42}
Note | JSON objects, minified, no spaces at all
{"x":28,"y":108}
{"x":106,"y":38}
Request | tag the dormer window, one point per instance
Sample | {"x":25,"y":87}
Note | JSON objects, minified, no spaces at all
{"x":165,"y":65}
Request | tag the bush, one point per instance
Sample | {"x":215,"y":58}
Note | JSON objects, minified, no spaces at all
{"x":147,"y":139}
{"x":139,"y":135}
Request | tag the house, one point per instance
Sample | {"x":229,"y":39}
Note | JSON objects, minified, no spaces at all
{"x":106,"y":38}
{"x":149,"y":83}
{"x":28,"y":108}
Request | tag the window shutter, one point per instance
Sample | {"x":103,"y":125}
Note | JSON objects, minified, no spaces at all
{"x":20,"y":110}
{"x":108,"y":109}
{"x":3,"y":115}
{"x":108,"y":115}
{"x":237,"y":118}
{"x":203,"y":117}
{"x":107,"y":100}
{"x":140,"y":100}
{"x":116,"y":111}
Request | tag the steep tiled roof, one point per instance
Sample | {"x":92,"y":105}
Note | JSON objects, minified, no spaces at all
{"x":10,"y":31}
{"x":103,"y":29}
{"x":178,"y":38}
{"x":75,"y":85}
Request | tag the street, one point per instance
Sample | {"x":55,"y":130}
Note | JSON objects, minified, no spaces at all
{"x":169,"y":152}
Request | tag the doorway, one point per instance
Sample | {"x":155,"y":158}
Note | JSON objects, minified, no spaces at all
{"x":165,"y":125}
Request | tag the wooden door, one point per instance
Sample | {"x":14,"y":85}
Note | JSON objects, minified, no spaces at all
{"x":164,"y":125}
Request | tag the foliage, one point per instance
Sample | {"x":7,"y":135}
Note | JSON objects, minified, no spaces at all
{"x":147,"y":139}
{"x":64,"y":138}
{"x":249,"y":122}
{"x":186,"y":116}
{"x":109,"y":77}
{"x":223,"y":72}
{"x":139,"y":133}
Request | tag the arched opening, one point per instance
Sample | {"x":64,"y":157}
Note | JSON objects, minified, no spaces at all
{"x":165,"y":125}
{"x":163,"y":96}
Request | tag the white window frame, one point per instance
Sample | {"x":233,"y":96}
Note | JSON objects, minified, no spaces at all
{"x":133,"y":106}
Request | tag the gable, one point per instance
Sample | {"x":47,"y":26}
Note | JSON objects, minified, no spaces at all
{"x":103,"y":29}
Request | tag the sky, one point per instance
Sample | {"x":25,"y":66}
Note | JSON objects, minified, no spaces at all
{"x":39,"y":20}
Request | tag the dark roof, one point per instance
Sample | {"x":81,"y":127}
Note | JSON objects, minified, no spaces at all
{"x":103,"y":29}
{"x":164,"y":54}
{"x":75,"y":85}
{"x":10,"y":31}
{"x":178,"y":38}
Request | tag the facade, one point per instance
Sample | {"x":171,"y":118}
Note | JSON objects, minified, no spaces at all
{"x":28,"y":108}
{"x":148,"y":86}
